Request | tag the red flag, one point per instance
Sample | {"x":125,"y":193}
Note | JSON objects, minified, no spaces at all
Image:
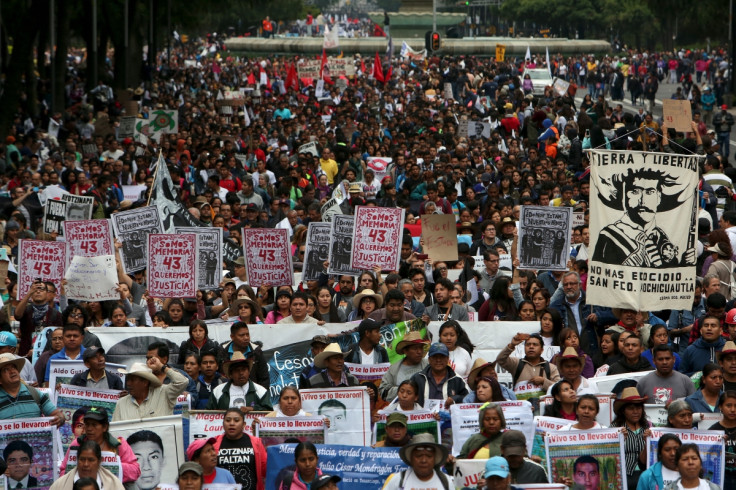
{"x":292,"y":80}
{"x":377,"y":69}
{"x":362,"y":66}
{"x":251,"y":79}
{"x":322,"y":65}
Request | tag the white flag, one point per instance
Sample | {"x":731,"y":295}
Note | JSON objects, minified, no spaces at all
{"x":246,"y":116}
{"x":331,"y":39}
{"x":549,"y":67}
{"x":528,"y":55}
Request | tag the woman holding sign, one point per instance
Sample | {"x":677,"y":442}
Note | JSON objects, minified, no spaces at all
{"x":487,"y":443}
{"x":631,"y":417}
{"x":690,"y":466}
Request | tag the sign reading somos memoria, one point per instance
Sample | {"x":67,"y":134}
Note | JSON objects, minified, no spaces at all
{"x":377,"y":238}
{"x":643,"y":229}
{"x":172,"y":271}
{"x":267,"y":257}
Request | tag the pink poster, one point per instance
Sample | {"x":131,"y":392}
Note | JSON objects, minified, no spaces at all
{"x":377,"y":238}
{"x":88,"y":238}
{"x":172,"y":265}
{"x":267,"y":257}
{"x":42,"y":260}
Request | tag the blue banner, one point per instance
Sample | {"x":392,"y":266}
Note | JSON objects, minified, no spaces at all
{"x":360,"y":467}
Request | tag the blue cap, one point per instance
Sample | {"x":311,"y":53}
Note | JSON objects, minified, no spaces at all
{"x":8,"y":339}
{"x":496,"y":466}
{"x":438,"y":349}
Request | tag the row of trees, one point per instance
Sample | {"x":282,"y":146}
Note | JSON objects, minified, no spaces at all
{"x":650,"y":24}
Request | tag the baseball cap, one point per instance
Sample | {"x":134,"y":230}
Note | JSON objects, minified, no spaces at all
{"x":196,"y":446}
{"x":8,"y":339}
{"x":368,"y":324}
{"x":91,"y":352}
{"x":513,"y":443}
{"x":323,"y":480}
{"x":97,"y":413}
{"x":191,"y":466}
{"x":496,"y":466}
{"x":320,"y":339}
{"x":396,"y":418}
{"x":438,"y":349}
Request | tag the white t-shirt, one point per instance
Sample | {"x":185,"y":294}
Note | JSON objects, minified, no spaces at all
{"x":669,"y":476}
{"x":365,"y":358}
{"x":570,"y":427}
{"x":702,"y":486}
{"x":460,"y":362}
{"x":237,"y":395}
{"x":411,"y":482}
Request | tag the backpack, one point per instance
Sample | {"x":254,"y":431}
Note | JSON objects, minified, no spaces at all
{"x":520,"y":368}
{"x":440,"y":475}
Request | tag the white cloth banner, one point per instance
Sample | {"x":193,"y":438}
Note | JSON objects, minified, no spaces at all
{"x":464,"y":416}
{"x":643,"y":229}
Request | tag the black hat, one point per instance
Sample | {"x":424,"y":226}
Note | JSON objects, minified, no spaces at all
{"x":323,"y":480}
{"x":97,"y":413}
{"x":91,"y":352}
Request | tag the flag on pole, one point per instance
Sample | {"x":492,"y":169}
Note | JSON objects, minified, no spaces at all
{"x":549,"y":66}
{"x":528,"y":55}
{"x":292,"y":79}
{"x":323,"y":64}
{"x":246,"y":116}
{"x":377,"y":69}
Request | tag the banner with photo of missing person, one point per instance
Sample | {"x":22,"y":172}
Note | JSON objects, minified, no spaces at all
{"x":209,"y":262}
{"x":544,"y":237}
{"x":317,"y":251}
{"x":341,"y":247}
{"x":643,"y":230}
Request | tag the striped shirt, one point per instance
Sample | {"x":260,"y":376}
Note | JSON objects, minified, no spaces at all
{"x":24,"y":406}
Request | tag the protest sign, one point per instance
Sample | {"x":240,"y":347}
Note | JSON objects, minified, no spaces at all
{"x":560,"y":86}
{"x":368,"y":372}
{"x":310,"y":148}
{"x":544,"y":237}
{"x":606,"y":384}
{"x":267,"y":257}
{"x":657,"y":414}
{"x":127,"y":126}
{"x":317,"y":251}
{"x":361,"y":468}
{"x":88,"y":238}
{"x":40,"y":261}
{"x":605,"y":402}
{"x":379,"y":165}
{"x":92,"y":279}
{"x":37,"y":437}
{"x":500,"y":52}
{"x":710,"y":442}
{"x":276,"y":430}
{"x":418,"y":422}
{"x":464,"y":416}
{"x":71,"y":398}
{"x":708,"y":419}
{"x":632,"y":192}
{"x":477,"y":129}
{"x":348,"y":410}
{"x":542,"y":425}
{"x":132,"y":229}
{"x":440,"y":237}
{"x":133,"y":192}
{"x":165,"y":197}
{"x":54,"y":214}
{"x":605,"y":446}
{"x":160,"y":121}
{"x":677,"y":114}
{"x":61,"y":371}
{"x":342,"y":245}
{"x":310,"y":68}
{"x":78,"y":207}
{"x":578,"y":219}
{"x":468,"y":473}
{"x":209,"y":263}
{"x":204,"y":424}
{"x":110,"y":461}
{"x":172,"y":270}
{"x":377,"y":238}
{"x":145,"y":437}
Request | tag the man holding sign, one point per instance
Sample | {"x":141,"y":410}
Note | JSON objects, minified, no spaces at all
{"x":532,"y":367}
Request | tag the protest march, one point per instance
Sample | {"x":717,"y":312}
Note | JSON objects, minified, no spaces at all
{"x":285,"y":273}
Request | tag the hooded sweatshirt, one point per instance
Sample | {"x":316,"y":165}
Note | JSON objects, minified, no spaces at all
{"x":699,"y":354}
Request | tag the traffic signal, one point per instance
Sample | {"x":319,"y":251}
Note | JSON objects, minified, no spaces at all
{"x":432,"y":41}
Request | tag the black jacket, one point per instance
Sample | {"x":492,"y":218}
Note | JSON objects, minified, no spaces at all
{"x":354,"y":355}
{"x":259,"y":372}
{"x":456,"y":387}
{"x":113,"y":381}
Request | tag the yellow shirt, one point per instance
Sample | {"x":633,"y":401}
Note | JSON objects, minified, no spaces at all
{"x":329,"y":167}
{"x":483,"y":453}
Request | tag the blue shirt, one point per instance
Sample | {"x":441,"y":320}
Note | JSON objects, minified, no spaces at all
{"x":61,"y":356}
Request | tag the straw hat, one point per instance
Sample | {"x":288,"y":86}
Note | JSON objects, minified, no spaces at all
{"x":367,"y":293}
{"x":478,"y":365}
{"x":412,"y":338}
{"x":142,"y":371}
{"x":233,"y":310}
{"x":8,"y":358}
{"x":237,"y":359}
{"x":570,"y":353}
{"x":332,"y":349}
{"x":628,"y":395}
{"x":728,"y":348}
{"x":424,"y":440}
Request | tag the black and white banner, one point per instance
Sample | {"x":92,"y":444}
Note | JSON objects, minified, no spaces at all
{"x":643,"y":229}
{"x":342,"y":245}
{"x":317,"y":250}
{"x":209,"y":262}
{"x":132,"y":229}
{"x":544,"y":235}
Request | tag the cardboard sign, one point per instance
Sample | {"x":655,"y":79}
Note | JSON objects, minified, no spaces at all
{"x":440,"y":237}
{"x":341,"y":247}
{"x":500,"y":52}
{"x":172,"y":270}
{"x":92,"y":279}
{"x":377,"y":238}
{"x":267,"y":257}
{"x":209,"y":263}
{"x":88,"y":238}
{"x":40,"y":260}
{"x":677,"y":114}
{"x":131,"y":228}
{"x":317,"y":250}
